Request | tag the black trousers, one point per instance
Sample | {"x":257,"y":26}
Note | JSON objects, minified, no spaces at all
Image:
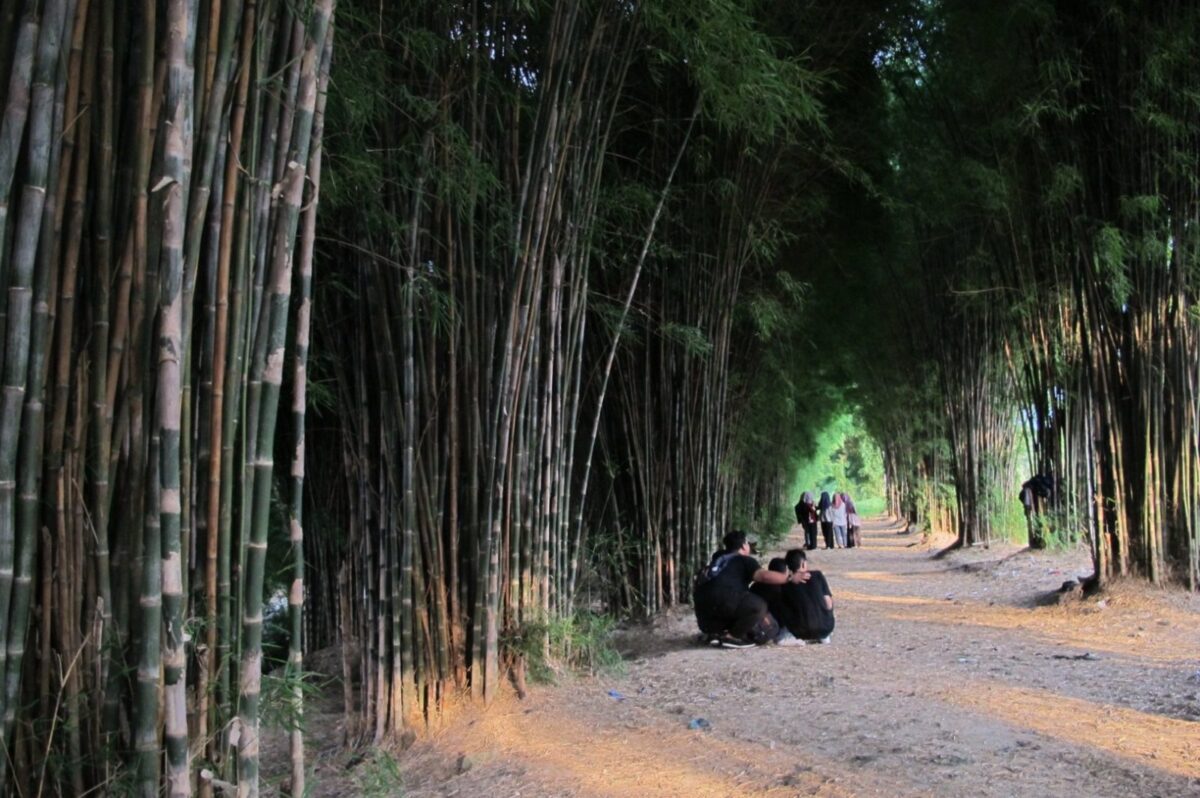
{"x":827,"y":533}
{"x":810,"y":534}
{"x":735,"y":616}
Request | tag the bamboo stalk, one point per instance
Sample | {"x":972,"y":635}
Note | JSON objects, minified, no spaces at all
{"x":100,"y":424}
{"x":149,"y":671}
{"x":300,"y":383}
{"x":171,"y":356}
{"x":12,"y":127}
{"x":270,"y":369}
{"x":19,"y":333}
{"x":577,"y":541}
{"x":31,"y":444}
{"x":216,"y":568}
{"x":30,"y":447}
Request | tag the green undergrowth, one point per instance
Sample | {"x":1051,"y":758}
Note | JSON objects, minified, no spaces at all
{"x":379,"y":775}
{"x":580,"y":644}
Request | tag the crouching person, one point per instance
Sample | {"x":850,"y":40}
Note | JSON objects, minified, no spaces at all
{"x":806,"y":605}
{"x":772,"y":594}
{"x":728,"y":613}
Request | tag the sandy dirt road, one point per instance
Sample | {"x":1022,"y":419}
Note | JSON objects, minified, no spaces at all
{"x":944,"y":678}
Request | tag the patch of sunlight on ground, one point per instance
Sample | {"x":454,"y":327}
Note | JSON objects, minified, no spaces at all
{"x":639,"y":760}
{"x":1059,"y":628}
{"x":1151,"y":740}
{"x":874,"y":576}
{"x":850,"y":595}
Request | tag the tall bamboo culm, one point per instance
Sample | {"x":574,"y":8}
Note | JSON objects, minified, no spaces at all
{"x":124,"y":214}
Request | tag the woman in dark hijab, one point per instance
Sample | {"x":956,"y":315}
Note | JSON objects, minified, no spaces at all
{"x":806,"y":516}
{"x":826,"y":519}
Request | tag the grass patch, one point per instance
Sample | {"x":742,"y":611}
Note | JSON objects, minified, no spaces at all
{"x":581,"y":643}
{"x":379,"y":775}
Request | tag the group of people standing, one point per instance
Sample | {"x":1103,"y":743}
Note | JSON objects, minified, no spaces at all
{"x":838,"y":520}
{"x":740,"y":604}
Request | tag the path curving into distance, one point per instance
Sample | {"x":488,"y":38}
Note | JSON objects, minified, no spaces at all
{"x":943,"y":679}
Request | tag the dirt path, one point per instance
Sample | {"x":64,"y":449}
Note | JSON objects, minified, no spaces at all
{"x":943,"y":679}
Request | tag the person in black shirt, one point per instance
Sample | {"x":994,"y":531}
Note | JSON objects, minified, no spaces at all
{"x":772,"y":594}
{"x":806,"y":516}
{"x":726,"y":610}
{"x":806,"y":605}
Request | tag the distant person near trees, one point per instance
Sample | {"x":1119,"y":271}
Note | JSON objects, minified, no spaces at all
{"x":1035,"y":493}
{"x":837,"y":517}
{"x":806,"y":516}
{"x":727,"y":612}
{"x":806,"y":610}
{"x":826,"y":521}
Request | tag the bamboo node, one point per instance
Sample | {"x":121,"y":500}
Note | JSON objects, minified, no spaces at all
{"x":172,"y":579}
{"x":170,"y":502}
{"x":235,"y":731}
{"x":251,"y":683}
{"x":273,"y":373}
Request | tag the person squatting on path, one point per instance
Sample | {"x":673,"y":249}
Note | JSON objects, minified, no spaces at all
{"x":727,"y":612}
{"x":805,"y":608}
{"x":773,"y":594}
{"x":806,"y":516}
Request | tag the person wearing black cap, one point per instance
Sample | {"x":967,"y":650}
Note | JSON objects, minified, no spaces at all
{"x":727,"y":612}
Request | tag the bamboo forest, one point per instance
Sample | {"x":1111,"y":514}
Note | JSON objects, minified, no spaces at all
{"x":411,"y":332}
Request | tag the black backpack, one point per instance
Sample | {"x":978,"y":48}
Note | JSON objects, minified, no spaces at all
{"x":709,"y":572}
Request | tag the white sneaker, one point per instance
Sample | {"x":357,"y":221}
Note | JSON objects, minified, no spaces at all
{"x":786,"y":638}
{"x":824,"y":640}
{"x":733,"y":642}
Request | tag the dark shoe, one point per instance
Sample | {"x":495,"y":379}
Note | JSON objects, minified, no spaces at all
{"x":733,"y":642}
